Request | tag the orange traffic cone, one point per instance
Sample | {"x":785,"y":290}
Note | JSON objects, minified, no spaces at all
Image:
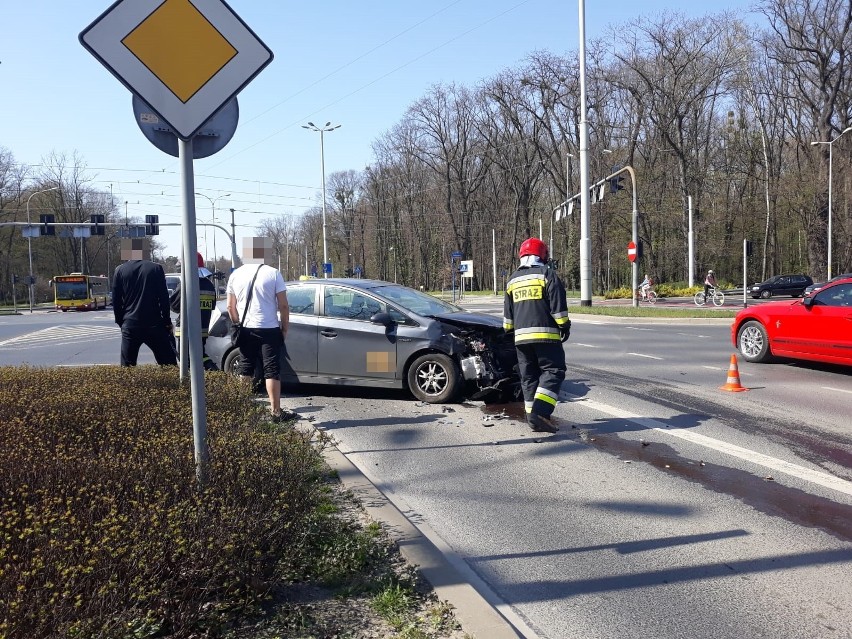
{"x":733,"y":383}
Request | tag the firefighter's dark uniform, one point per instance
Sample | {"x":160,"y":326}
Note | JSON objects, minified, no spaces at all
{"x":207,"y":300}
{"x":536,"y":310}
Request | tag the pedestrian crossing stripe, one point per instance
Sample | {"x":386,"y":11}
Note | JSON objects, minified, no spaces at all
{"x":55,"y":335}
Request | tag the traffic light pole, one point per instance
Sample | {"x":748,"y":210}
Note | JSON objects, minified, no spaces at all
{"x":596,"y":196}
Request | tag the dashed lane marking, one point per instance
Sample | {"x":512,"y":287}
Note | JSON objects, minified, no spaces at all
{"x":645,"y":356}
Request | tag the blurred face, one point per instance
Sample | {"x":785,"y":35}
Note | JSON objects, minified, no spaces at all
{"x":135,"y":248}
{"x":258,"y":250}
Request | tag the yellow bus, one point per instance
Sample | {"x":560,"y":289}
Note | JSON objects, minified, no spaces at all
{"x":80,"y":292}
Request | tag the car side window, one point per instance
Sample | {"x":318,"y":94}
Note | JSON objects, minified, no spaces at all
{"x":399,"y":317}
{"x":835,"y":296}
{"x":346,"y":303}
{"x":302,"y":299}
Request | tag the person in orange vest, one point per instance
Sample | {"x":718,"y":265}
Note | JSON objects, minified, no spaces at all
{"x":536,"y":312}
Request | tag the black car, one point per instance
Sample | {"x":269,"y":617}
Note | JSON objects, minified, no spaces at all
{"x":793,"y":285}
{"x":818,"y":285}
{"x":374,"y":333}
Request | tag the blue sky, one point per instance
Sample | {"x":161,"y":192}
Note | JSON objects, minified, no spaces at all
{"x":359,"y":65}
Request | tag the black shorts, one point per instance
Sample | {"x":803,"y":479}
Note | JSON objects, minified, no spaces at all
{"x":261,"y":344}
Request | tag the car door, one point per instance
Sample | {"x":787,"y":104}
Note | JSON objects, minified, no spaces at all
{"x":299,"y":355}
{"x":782,"y":286}
{"x":831,"y":322}
{"x":350,"y":346}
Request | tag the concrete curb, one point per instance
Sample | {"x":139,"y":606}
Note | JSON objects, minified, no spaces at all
{"x":476,"y":615}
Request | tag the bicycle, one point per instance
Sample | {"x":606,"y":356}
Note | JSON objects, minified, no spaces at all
{"x":648,"y":295}
{"x":717,"y":297}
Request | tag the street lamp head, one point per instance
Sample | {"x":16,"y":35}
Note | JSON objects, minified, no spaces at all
{"x":310,"y":124}
{"x":846,"y":130}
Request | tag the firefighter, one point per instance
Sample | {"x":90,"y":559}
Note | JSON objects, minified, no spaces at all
{"x":536,"y":311}
{"x":207,"y":299}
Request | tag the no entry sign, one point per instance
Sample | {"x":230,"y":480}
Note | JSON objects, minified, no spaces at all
{"x":631,"y":251}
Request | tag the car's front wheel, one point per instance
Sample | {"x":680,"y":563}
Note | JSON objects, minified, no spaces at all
{"x":753,"y":343}
{"x":232,"y":360}
{"x":434,"y":378}
{"x":766,"y":294}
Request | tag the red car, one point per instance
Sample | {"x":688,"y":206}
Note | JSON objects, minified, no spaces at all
{"x":818,"y":327}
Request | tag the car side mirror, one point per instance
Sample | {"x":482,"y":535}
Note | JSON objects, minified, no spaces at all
{"x":381,"y":318}
{"x":807,"y":301}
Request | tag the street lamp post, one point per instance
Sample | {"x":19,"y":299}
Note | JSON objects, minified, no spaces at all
{"x":321,"y":130}
{"x":830,"y":145}
{"x":30,"y":241}
{"x":213,"y":206}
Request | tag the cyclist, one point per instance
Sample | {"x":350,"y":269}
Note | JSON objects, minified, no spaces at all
{"x":645,"y":285}
{"x":709,"y":283}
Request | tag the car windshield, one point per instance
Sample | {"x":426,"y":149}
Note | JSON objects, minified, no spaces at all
{"x":415,"y":301}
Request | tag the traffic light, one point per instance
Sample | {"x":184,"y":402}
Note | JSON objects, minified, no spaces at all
{"x":749,"y":248}
{"x":97,"y":222}
{"x":152,"y":225}
{"x":347,"y":272}
{"x":47,"y":220}
{"x":615,"y":184}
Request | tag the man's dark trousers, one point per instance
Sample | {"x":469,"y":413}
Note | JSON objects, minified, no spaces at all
{"x":542,"y":370}
{"x":154,"y":337}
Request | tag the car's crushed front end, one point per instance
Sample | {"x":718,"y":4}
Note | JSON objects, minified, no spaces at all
{"x":486,"y":355}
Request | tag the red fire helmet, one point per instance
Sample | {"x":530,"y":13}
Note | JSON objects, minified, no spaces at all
{"x":534,"y":246}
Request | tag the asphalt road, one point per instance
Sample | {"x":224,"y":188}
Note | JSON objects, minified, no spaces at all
{"x":664,"y":508}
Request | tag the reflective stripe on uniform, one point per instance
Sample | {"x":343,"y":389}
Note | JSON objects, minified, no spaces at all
{"x":546,"y":396}
{"x":560,"y":318}
{"x":526,"y":280}
{"x":508,"y":324}
{"x":531,"y":337}
{"x":536,"y":333}
{"x":528,"y":406}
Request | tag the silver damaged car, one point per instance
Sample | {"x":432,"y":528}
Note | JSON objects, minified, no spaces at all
{"x":375,"y":333}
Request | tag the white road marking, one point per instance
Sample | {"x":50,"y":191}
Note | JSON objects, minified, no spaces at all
{"x":836,"y":390}
{"x":645,"y":356}
{"x":55,"y":335}
{"x":639,"y":328}
{"x":693,"y":335}
{"x":719,"y":368}
{"x":585,"y":345}
{"x":814,"y":476}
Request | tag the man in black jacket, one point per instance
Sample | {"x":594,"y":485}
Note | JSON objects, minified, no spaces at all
{"x":140,"y":303}
{"x":536,"y":311}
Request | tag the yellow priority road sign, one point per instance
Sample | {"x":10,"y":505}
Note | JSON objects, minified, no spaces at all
{"x":184,"y":58}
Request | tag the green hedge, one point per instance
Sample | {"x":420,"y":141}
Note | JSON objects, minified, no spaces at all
{"x":104,"y":529}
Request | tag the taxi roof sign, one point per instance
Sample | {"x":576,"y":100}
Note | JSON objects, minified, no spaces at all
{"x":184,"y":59}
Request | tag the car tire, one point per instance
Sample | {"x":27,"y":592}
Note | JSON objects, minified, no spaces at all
{"x":434,"y":378}
{"x":231,"y":360}
{"x":766,"y":294}
{"x":753,"y":342}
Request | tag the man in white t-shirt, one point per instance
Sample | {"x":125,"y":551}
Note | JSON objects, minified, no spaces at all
{"x":264,"y":322}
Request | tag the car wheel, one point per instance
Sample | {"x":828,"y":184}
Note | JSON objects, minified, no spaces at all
{"x":766,"y":294}
{"x":434,"y":378}
{"x":231,"y":361}
{"x":753,"y":343}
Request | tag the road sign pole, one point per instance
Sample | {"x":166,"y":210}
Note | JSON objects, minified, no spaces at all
{"x":191,"y":321}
